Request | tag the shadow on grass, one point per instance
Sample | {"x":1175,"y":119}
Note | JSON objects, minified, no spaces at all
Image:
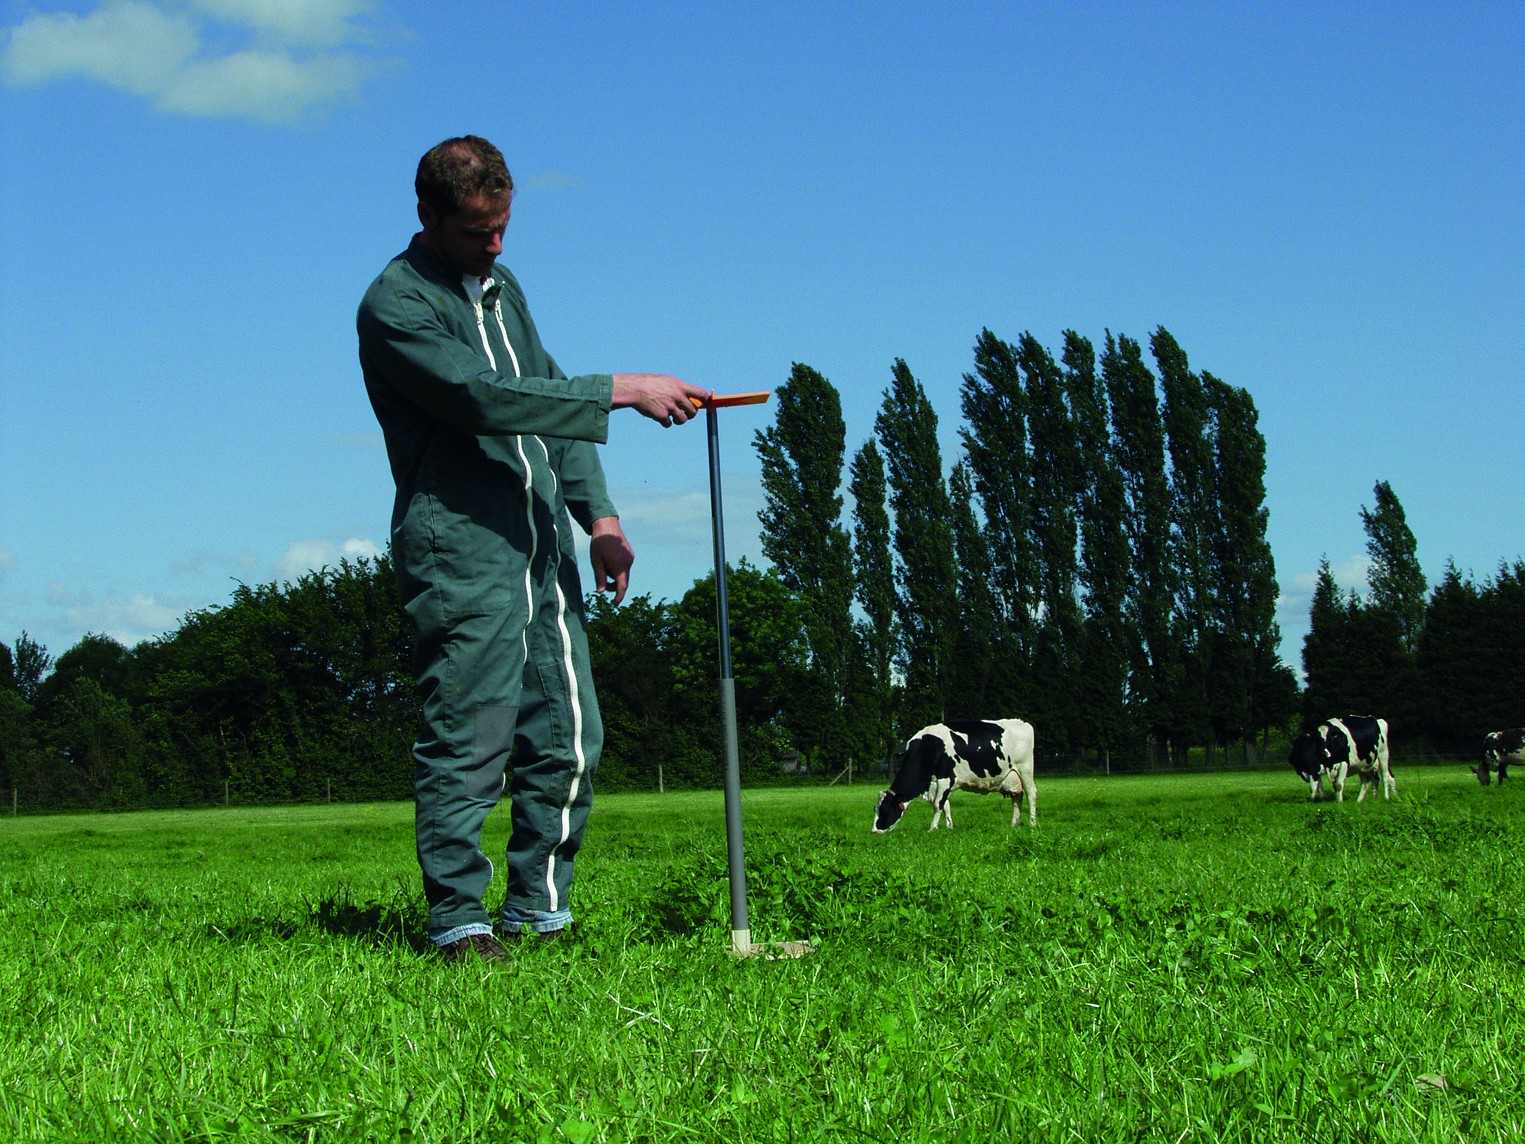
{"x":400,"y":922}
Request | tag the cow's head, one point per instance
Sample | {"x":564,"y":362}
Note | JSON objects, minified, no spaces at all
{"x":888,"y":811}
{"x":1309,"y":754}
{"x":1338,"y":746}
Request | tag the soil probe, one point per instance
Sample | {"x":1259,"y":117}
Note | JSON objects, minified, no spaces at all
{"x":741,"y":929}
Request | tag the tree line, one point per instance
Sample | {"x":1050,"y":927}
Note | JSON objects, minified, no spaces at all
{"x":1441,"y":665}
{"x":1095,"y":561}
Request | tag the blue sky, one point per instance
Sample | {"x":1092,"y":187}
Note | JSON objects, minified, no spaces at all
{"x":1322,"y":202}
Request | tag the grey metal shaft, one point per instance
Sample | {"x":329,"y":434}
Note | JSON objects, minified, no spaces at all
{"x":734,"y":849}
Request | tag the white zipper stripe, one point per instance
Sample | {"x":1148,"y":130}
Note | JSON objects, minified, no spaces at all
{"x":574,"y":695}
{"x":497,"y":312}
{"x":482,"y":330}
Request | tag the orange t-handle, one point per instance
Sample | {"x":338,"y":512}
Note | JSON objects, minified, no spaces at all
{"x":726,"y":400}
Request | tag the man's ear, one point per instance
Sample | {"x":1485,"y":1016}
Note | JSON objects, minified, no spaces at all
{"x":426,"y":217}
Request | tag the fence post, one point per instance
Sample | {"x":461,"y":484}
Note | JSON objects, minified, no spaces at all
{"x":13,"y":802}
{"x":224,"y":792}
{"x":660,"y":788}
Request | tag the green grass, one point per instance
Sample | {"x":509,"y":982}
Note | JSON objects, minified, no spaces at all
{"x":1181,"y":958}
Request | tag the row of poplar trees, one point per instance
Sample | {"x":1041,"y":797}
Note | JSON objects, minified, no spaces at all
{"x":1095,"y":562}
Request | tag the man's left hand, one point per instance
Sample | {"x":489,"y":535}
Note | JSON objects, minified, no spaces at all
{"x":612,"y":557}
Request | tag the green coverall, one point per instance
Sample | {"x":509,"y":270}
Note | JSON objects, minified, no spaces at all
{"x":491,"y":447}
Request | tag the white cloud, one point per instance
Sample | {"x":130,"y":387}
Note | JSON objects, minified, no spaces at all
{"x":319,"y":23}
{"x":129,"y":621}
{"x":7,"y":561}
{"x":268,"y":86}
{"x":300,"y":57}
{"x":128,"y":44}
{"x":303,"y":556}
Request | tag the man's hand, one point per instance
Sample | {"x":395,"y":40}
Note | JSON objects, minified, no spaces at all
{"x":612,"y":557}
{"x":660,"y":396}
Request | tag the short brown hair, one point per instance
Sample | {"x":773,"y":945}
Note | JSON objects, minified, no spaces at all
{"x":466,"y":167}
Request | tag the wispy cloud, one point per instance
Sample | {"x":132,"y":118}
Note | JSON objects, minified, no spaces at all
{"x":303,"y":556}
{"x":270,"y":61}
{"x":129,"y":620}
{"x":551,"y":181}
{"x":315,"y":23}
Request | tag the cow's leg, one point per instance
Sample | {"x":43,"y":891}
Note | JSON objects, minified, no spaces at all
{"x":1360,"y":798}
{"x":1030,"y":788}
{"x":948,"y":810}
{"x":1315,"y":785}
{"x":1016,"y":806}
{"x":1503,"y":769}
{"x":1385,"y":772}
{"x":1339,"y":781}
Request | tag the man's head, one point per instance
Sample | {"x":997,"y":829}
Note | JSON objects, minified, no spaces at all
{"x":464,"y":197}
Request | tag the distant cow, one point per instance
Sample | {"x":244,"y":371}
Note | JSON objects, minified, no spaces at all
{"x":981,"y":755}
{"x":1499,"y":750}
{"x":1338,"y":746}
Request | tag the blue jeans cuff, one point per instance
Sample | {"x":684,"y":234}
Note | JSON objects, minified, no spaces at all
{"x":445,"y":937}
{"x":517,"y":919}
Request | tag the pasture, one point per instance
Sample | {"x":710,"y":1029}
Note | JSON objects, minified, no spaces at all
{"x":1171,"y":958}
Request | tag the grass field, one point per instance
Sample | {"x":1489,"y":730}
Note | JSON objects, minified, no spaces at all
{"x":1168,"y":958}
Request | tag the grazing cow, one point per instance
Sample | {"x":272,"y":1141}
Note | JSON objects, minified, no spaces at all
{"x":1338,"y":746}
{"x":1499,"y":750}
{"x":981,"y":755}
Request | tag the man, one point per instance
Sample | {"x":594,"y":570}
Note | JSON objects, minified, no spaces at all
{"x":492,"y":448}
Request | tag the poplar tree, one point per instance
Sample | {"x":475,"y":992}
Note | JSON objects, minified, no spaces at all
{"x":1104,"y":559}
{"x":925,"y":600}
{"x":1055,"y":467}
{"x":994,"y":436}
{"x":977,"y":632}
{"x":1326,"y":647}
{"x":1138,"y":437}
{"x":1192,"y":519}
{"x":804,"y":538}
{"x":1395,"y":609}
{"x":1397,"y":582}
{"x":878,"y":635}
{"x":1250,"y":689}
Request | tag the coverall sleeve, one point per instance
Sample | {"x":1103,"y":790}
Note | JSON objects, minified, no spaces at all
{"x":583,"y":486}
{"x":582,"y":477}
{"x":405,"y":341}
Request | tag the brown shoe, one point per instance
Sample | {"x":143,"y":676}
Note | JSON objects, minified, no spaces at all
{"x":477,"y":946}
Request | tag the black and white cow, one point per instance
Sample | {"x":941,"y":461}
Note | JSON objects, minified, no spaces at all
{"x":981,"y":755}
{"x":1499,"y":750}
{"x":1338,"y":746}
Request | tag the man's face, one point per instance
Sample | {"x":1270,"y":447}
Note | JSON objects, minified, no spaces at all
{"x":470,"y":239}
